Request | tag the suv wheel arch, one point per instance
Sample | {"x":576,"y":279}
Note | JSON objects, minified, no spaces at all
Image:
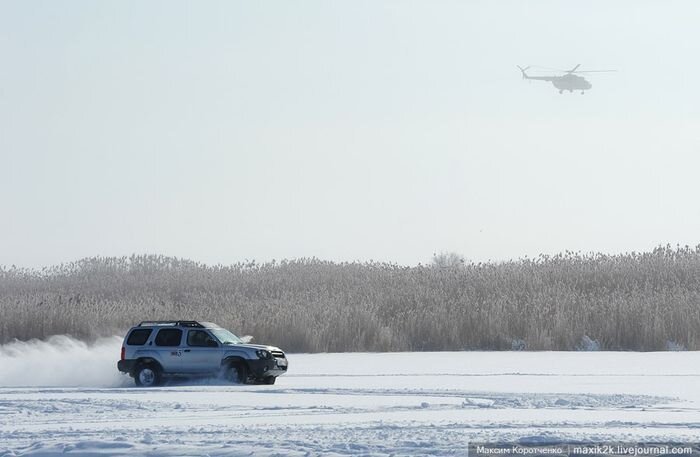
{"x":145,"y":361}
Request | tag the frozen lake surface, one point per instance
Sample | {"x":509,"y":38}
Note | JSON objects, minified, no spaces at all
{"x":349,"y":404}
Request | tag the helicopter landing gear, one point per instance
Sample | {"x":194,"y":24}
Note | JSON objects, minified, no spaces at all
{"x":583,"y":92}
{"x":561,"y":91}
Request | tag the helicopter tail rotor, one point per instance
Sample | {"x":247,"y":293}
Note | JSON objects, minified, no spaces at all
{"x":523,"y":70}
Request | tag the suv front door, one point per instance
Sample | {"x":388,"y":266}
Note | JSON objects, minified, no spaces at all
{"x":202,"y":353}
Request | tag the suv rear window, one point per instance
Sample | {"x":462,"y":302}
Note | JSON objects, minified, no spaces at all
{"x":169,"y":337}
{"x":139,"y":337}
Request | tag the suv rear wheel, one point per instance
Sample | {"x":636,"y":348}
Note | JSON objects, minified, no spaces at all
{"x":147,"y":376}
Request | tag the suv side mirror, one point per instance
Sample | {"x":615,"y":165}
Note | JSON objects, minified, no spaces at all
{"x":212,"y":344}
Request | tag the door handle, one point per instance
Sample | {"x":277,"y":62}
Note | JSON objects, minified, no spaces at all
{"x":186,"y":350}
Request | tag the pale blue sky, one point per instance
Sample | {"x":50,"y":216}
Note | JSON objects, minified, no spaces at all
{"x":345,"y":130}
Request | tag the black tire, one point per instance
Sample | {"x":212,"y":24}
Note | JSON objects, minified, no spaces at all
{"x":269,"y":380}
{"x":237,"y":372}
{"x":148,"y":375}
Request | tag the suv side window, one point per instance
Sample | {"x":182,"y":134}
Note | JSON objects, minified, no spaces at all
{"x":200,"y":338}
{"x":169,"y":337}
{"x":139,"y":337}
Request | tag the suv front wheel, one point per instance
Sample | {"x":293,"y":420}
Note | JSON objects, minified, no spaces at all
{"x":147,"y":376}
{"x":237,"y":372}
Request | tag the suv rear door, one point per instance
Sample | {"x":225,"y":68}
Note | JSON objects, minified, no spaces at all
{"x":167,"y":343}
{"x":135,"y":341}
{"x":201,"y":352}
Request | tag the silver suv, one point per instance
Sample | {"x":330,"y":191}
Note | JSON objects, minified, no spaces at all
{"x":156,"y":349}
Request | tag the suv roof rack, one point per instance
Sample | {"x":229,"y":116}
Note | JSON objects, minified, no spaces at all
{"x":170,"y":323}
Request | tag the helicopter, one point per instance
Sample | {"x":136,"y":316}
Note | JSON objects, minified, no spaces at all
{"x":570,"y":80}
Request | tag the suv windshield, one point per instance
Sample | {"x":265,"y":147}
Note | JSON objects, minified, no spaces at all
{"x":224,"y":336}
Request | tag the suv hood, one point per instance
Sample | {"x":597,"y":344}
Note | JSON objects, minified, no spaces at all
{"x":252,"y":346}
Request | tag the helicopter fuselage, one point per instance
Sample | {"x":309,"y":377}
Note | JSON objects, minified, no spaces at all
{"x":571,"y":83}
{"x":568,"y":81}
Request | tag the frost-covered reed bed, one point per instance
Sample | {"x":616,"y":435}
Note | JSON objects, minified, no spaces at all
{"x":634,"y":301}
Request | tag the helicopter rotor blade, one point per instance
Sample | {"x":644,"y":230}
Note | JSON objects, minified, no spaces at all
{"x":573,"y":70}
{"x":595,"y":71}
{"x":538,"y":67}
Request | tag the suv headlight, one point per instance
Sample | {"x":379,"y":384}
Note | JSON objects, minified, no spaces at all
{"x":263,"y":354}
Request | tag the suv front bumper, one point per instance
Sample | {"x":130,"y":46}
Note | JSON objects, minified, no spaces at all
{"x":268,"y":367}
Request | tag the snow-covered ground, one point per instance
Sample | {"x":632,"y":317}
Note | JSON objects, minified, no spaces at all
{"x":346,"y":404}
